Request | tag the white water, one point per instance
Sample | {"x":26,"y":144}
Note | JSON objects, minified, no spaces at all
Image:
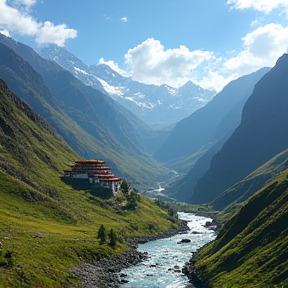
{"x":168,"y":257}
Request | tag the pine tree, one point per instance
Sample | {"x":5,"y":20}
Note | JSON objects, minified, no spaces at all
{"x":101,"y":234}
{"x":124,"y":186}
{"x":113,"y":238}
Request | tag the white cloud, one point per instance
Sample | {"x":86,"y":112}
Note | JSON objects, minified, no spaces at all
{"x":150,"y":63}
{"x":262,"y":47}
{"x":214,"y":80}
{"x":28,"y":2}
{"x":14,"y":20}
{"x":261,"y":5}
{"x":255,"y":23}
{"x":114,"y":66}
{"x":23,"y":3}
{"x":124,"y":19}
{"x":5,"y":32}
{"x":49,"y":33}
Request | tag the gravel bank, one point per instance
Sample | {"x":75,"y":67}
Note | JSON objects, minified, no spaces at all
{"x":106,"y":272}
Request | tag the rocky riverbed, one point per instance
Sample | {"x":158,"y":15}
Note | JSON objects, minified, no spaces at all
{"x":106,"y":272}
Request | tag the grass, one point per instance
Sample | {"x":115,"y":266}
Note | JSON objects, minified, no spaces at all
{"x":45,"y":242}
{"x":46,"y":227}
{"x":251,"y":247}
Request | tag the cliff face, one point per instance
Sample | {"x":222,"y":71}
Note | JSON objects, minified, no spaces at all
{"x":261,"y":135}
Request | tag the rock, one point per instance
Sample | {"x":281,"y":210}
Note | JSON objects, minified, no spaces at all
{"x":184,"y":241}
{"x":105,"y":272}
{"x":177,"y":271}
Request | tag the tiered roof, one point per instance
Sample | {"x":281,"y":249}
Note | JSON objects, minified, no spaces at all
{"x":94,"y":168}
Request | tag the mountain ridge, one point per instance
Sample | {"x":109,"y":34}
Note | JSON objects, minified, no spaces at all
{"x":158,"y":106}
{"x":47,"y":227}
{"x":200,"y":128}
{"x":117,"y":134}
{"x":256,"y":140}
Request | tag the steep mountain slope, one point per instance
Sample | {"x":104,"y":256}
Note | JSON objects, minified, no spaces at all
{"x":242,"y":190}
{"x":158,"y":106}
{"x":23,"y":155}
{"x":202,"y":127}
{"x":251,"y":248}
{"x":46,"y":227}
{"x":260,"y":136}
{"x":91,"y":123}
{"x":182,"y":189}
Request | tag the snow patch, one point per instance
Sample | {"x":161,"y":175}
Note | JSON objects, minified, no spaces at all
{"x":139,"y":95}
{"x":171,"y":90}
{"x":81,"y":71}
{"x":200,"y":99}
{"x":144,"y":105}
{"x":118,"y":91}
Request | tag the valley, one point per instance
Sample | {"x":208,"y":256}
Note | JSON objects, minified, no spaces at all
{"x":94,"y":163}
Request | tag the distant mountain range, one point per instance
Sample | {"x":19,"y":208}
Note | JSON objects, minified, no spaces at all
{"x":92,"y":123}
{"x":210,"y":123}
{"x":158,"y":106}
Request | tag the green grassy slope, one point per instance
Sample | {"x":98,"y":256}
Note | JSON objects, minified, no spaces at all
{"x":251,"y":247}
{"x":90,"y":122}
{"x":46,"y":227}
{"x":242,"y":190}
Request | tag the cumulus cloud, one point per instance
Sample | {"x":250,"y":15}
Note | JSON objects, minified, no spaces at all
{"x":49,"y":33}
{"x":261,"y":5}
{"x":124,"y":19}
{"x":215,"y":80}
{"x":114,"y":66}
{"x":262,"y":47}
{"x":149,"y":62}
{"x":14,"y":20}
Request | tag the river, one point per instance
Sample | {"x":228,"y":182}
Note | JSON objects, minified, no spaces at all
{"x":166,"y":258}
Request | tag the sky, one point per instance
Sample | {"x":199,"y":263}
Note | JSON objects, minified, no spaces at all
{"x":209,"y":42}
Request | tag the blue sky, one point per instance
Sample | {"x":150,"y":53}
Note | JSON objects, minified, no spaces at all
{"x":210,"y":42}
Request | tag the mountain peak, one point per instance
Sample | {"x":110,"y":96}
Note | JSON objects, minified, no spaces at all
{"x":282,"y":60}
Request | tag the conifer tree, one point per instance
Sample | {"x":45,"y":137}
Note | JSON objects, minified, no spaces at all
{"x":124,"y":186}
{"x":101,"y":234}
{"x":113,"y":238}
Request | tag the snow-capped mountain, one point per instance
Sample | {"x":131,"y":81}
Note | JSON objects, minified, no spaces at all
{"x":158,"y":106}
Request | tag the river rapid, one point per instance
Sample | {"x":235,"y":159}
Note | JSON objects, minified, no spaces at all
{"x":166,"y":257}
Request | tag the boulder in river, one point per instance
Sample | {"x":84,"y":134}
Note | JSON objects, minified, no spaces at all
{"x":184,"y":241}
